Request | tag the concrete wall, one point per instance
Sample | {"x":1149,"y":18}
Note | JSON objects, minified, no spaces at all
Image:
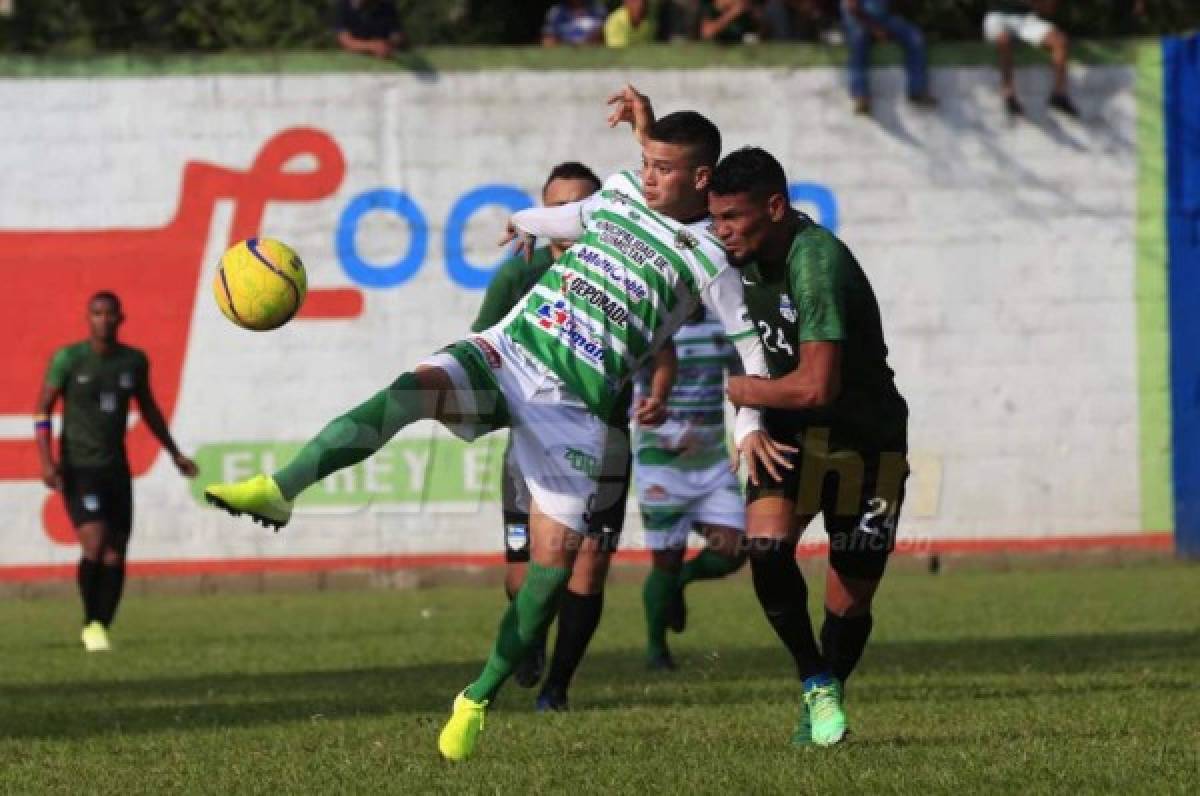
{"x":1003,"y":256}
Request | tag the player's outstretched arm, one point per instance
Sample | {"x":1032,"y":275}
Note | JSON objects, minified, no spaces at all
{"x":560,"y":222}
{"x":814,"y":383}
{"x":47,"y":398}
{"x":158,"y":427}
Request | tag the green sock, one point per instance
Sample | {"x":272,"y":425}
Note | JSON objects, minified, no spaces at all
{"x":354,"y":436}
{"x":656,"y":592}
{"x":524,"y":622}
{"x":708,"y":565}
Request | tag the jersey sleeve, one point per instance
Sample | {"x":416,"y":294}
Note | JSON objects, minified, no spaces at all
{"x":724,"y":298}
{"x":817,"y":277}
{"x":142,"y":377}
{"x":498,"y":299}
{"x":60,"y":368}
{"x":563,"y":222}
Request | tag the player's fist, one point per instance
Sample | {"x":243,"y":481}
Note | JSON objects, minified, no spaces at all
{"x":650,"y":411}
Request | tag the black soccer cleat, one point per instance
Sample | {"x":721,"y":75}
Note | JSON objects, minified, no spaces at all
{"x":1062,"y":103}
{"x":661,"y":662}
{"x":551,"y":700}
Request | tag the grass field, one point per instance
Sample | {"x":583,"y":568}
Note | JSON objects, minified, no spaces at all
{"x":1081,"y":680}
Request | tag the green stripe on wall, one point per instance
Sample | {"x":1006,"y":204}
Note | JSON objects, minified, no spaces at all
{"x":1150,"y":292}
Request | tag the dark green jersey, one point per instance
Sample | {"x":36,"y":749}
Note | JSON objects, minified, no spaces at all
{"x":513,"y":280}
{"x":823,"y":295}
{"x":96,"y":390}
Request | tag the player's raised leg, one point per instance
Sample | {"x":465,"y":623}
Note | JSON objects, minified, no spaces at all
{"x":428,"y":392}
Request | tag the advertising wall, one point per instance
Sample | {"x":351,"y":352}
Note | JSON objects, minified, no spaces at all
{"x":1005,"y":257}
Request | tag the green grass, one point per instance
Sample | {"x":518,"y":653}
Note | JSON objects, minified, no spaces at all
{"x":1077,"y":680}
{"x":432,"y":60}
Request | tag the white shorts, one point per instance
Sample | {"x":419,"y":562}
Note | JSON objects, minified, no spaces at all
{"x":557,"y":443}
{"x":674,"y":501}
{"x":1029,"y":28}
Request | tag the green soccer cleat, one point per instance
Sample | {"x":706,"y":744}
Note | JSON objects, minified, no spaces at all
{"x":95,"y":637}
{"x":802,"y":735}
{"x":823,"y":705}
{"x":258,"y":496}
{"x":458,"y":737}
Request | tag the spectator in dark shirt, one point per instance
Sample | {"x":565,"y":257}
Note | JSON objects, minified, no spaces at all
{"x":575,"y":22}
{"x":1008,"y":20}
{"x":730,"y":21}
{"x":370,"y":27}
{"x":869,"y":20}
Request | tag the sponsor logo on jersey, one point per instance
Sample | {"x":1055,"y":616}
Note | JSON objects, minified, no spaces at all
{"x":595,"y":295}
{"x":108,"y":402}
{"x":786,"y":308}
{"x":685,"y":240}
{"x":125,"y":380}
{"x":633,"y":286}
{"x":516,"y":536}
{"x":83,"y":378}
{"x":91,"y":502}
{"x":558,"y":316}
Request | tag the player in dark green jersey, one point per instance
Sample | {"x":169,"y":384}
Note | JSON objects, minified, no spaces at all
{"x":831,"y":395}
{"x":583,"y":601}
{"x":96,"y":380}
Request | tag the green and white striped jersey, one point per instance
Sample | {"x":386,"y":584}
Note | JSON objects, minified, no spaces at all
{"x":693,"y":435}
{"x":628,"y":283}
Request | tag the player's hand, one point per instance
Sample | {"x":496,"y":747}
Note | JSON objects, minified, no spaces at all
{"x":185,"y":465}
{"x":650,"y":411}
{"x":630,"y":105}
{"x":52,"y":477}
{"x":525,"y":241}
{"x":758,"y":448}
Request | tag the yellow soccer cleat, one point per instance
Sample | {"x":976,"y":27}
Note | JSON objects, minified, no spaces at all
{"x":95,"y":637}
{"x":457,"y":740}
{"x":258,"y":496}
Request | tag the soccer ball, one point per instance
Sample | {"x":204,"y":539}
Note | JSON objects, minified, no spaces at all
{"x":260,"y":284}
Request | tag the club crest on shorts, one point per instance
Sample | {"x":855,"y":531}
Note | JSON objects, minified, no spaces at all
{"x":786,"y":308}
{"x":516,"y":536}
{"x":91,"y":502}
{"x":655,"y":492}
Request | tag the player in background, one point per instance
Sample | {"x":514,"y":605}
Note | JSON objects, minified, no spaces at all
{"x":833,"y":396}
{"x":553,"y":371}
{"x":685,"y":483}
{"x":583,"y":600}
{"x":96,"y":379}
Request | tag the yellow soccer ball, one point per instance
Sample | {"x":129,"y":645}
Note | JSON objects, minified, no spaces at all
{"x":260,"y":284}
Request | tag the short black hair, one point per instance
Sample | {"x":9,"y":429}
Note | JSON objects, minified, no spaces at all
{"x":692,"y":130}
{"x":106,"y":295}
{"x":751,"y":170}
{"x":571,"y":170}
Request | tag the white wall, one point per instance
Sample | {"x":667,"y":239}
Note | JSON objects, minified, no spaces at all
{"x":1002,"y":254}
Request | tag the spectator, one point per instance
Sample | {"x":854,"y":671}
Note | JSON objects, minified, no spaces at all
{"x":730,"y":21}
{"x":802,"y":19}
{"x":370,"y":27}
{"x":1012,"y":19}
{"x":575,"y":22}
{"x":629,"y":24}
{"x":869,"y":20}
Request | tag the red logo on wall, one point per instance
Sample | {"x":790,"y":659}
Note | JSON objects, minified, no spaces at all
{"x":49,"y":275}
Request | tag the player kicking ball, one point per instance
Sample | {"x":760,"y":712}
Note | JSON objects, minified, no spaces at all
{"x":685,"y":483}
{"x":641,"y":264}
{"x":833,"y":396}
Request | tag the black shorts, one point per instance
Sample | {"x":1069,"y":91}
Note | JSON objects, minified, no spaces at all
{"x":858,"y":493}
{"x":101,"y":494}
{"x":605,"y":517}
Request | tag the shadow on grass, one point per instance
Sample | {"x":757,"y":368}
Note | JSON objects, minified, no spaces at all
{"x":954,"y":670}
